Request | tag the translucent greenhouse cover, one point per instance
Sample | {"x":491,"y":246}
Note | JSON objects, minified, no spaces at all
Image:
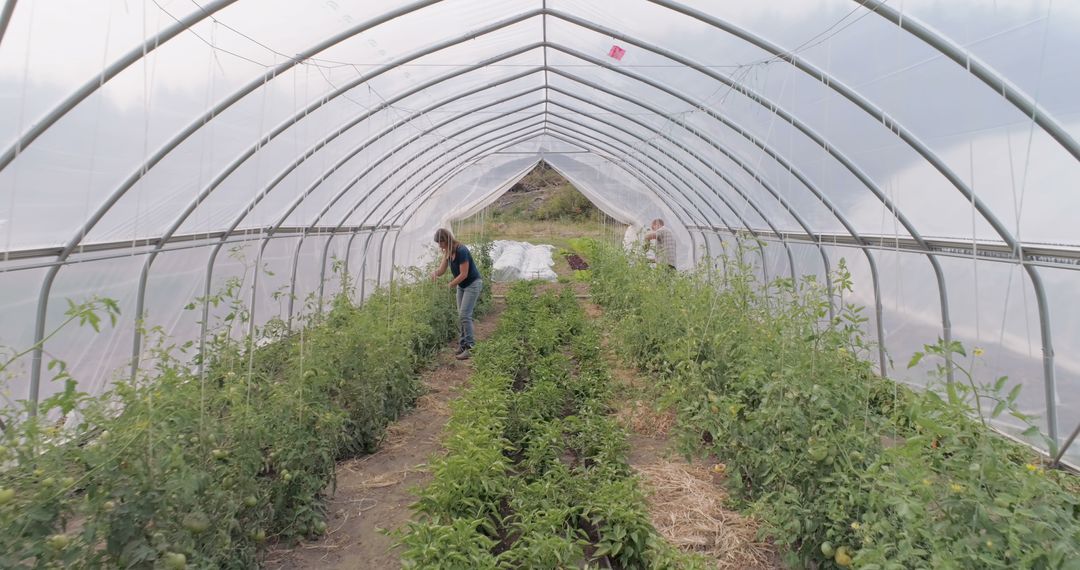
{"x":155,"y":150}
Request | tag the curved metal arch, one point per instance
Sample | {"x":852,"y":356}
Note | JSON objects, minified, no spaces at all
{"x":5,"y":19}
{"x":210,"y":263}
{"x":388,"y":194}
{"x":106,"y":75}
{"x":405,"y":195}
{"x":624,"y":166}
{"x":137,"y":340}
{"x":337,"y":92}
{"x":993,"y":79}
{"x":813,"y":135}
{"x":500,"y":144}
{"x":631,"y":152}
{"x":730,"y":156}
{"x":916,"y":144}
{"x":632,"y":171}
{"x":628,"y":152}
{"x":162,"y":152}
{"x":438,"y":184}
{"x":532,"y":130}
{"x":401,"y":166}
{"x":431,"y":189}
{"x":322,"y":276}
{"x":724,"y":177}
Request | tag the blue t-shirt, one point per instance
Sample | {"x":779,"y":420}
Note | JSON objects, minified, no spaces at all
{"x":462,"y":255}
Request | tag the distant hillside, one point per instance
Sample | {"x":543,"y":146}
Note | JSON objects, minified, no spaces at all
{"x":542,"y":194}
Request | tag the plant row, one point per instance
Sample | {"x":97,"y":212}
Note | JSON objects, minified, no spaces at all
{"x":535,"y":474}
{"x":174,"y":469}
{"x":845,"y":467}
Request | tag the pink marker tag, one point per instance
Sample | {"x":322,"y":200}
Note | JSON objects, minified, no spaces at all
{"x":616,"y":52}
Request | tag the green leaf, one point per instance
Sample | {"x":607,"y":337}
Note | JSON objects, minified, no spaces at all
{"x":915,"y":359}
{"x":1000,"y":383}
{"x":1015,"y":392}
{"x":1031,"y":431}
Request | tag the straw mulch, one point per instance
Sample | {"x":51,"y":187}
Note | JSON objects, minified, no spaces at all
{"x":687,"y":508}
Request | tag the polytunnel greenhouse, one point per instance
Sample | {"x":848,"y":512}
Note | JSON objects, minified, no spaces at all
{"x":217,"y":217}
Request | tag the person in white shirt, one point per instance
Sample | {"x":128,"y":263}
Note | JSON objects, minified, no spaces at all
{"x":665,"y":243}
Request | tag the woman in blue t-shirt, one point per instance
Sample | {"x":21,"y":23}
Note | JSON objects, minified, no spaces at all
{"x":467,"y":280}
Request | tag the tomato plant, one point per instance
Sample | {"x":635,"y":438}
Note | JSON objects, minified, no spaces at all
{"x":177,"y":469}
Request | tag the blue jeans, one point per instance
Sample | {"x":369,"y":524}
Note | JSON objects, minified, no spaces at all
{"x":466,"y":302}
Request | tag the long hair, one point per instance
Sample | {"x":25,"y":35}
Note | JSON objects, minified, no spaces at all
{"x":446,"y":241}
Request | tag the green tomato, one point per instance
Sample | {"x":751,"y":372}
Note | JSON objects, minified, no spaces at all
{"x":250,"y":501}
{"x":319,"y":527}
{"x":59,"y":541}
{"x":6,"y":495}
{"x":259,"y":536}
{"x":175,"y":561}
{"x":219,"y":453}
{"x":196,"y":523}
{"x":109,"y":506}
{"x":68,"y":481}
{"x":827,"y":549}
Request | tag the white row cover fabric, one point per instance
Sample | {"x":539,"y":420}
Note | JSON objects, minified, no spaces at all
{"x":172,"y":132}
{"x":519,"y":260}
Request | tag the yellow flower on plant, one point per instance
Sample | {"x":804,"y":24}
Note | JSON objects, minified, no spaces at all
{"x":978,"y":351}
{"x":1032,"y":467}
{"x":855,"y":525}
{"x":926,"y":482}
{"x":989,"y":544}
{"x":956,"y":487}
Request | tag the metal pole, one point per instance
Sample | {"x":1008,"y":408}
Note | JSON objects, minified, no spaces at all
{"x":1065,"y":447}
{"x":292,"y":280}
{"x":5,"y":19}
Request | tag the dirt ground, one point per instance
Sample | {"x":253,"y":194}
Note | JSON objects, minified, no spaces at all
{"x":374,"y":492}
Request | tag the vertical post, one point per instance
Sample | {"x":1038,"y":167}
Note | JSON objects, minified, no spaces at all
{"x":877,"y":312}
{"x":322,"y":272}
{"x":1049,"y":380}
{"x":140,"y":303}
{"x":292,"y":280}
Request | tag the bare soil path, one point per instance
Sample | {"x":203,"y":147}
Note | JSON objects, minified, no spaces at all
{"x":374,"y":492}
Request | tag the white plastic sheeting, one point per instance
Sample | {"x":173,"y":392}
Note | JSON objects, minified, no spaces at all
{"x":518,"y":260}
{"x":300,"y":133}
